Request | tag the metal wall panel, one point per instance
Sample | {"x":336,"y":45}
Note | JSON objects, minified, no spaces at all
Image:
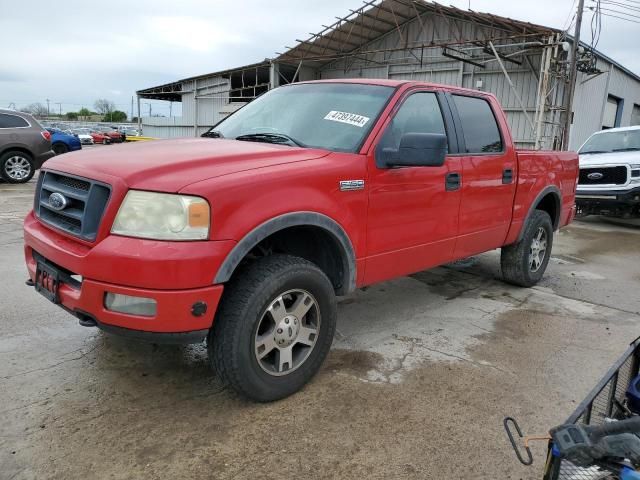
{"x":591,"y":98}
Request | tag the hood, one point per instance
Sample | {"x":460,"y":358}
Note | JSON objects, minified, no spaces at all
{"x":613,"y":158}
{"x":170,"y":165}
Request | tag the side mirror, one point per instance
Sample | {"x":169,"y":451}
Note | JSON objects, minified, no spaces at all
{"x":416,"y":150}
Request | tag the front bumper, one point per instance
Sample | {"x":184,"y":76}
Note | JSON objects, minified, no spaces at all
{"x":177,"y":275}
{"x":608,"y":202}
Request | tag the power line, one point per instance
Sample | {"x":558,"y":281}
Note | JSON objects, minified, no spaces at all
{"x":618,"y":12}
{"x":572,"y":11}
{"x":622,"y":5}
{"x":621,"y":18}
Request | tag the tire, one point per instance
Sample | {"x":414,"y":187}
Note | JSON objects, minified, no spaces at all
{"x":16,"y":167}
{"x":518,"y":261}
{"x":59,"y":148}
{"x":244,"y":325}
{"x":104,"y":141}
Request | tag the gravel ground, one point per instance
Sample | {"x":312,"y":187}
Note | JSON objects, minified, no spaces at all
{"x":422,"y":371}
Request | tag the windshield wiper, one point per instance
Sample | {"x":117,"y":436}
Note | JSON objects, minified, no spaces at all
{"x":628,"y":149}
{"x":212,"y":134}
{"x":277,"y":138}
{"x":595,"y":151}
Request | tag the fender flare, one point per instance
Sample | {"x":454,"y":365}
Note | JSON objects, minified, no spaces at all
{"x":295,"y":219}
{"x":554,"y":221}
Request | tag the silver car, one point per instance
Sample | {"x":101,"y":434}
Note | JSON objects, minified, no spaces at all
{"x":24,"y":146}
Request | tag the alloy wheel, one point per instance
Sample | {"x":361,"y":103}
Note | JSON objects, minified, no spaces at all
{"x":287,"y":332}
{"x":538,"y":250}
{"x":17,"y":168}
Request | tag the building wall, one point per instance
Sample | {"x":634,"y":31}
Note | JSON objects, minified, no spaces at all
{"x":591,"y":96}
{"x":206,"y":99}
{"x":429,"y":65}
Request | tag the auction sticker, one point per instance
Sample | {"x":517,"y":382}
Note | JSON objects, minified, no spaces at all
{"x":349,"y":118}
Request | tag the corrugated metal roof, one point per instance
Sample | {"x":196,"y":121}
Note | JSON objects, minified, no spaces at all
{"x":379,"y":17}
{"x":173,"y":91}
{"x":349,"y":34}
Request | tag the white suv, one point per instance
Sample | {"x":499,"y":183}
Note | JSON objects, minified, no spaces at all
{"x":609,"y":182}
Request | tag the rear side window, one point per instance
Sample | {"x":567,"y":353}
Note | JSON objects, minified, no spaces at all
{"x":12,"y":121}
{"x":481,"y":132}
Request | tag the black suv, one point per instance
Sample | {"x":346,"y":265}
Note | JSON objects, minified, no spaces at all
{"x":24,"y":146}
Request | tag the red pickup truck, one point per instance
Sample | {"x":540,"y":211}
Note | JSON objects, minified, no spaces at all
{"x":245,"y":237}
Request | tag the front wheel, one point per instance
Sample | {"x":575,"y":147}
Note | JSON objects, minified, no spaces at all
{"x":525,"y":262}
{"x":274,"y":328}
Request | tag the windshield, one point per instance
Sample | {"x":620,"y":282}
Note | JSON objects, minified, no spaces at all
{"x":621,"y":141}
{"x":334,"y":116}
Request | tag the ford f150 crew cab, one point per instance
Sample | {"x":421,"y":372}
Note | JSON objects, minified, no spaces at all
{"x":609,"y":181}
{"x":245,"y":237}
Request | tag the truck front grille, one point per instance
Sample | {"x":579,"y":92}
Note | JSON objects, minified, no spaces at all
{"x":603,"y":175}
{"x":84,"y":203}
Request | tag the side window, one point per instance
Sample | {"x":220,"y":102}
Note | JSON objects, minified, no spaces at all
{"x":481,"y":132}
{"x":12,"y":121}
{"x":420,"y":113}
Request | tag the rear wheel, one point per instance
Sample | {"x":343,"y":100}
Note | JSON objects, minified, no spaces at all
{"x":274,"y":328}
{"x":525,"y":262}
{"x":59,"y":148}
{"x":16,"y":167}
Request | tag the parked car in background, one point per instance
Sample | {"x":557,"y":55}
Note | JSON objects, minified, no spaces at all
{"x":130,"y":132}
{"x":84,"y":136}
{"x":100,"y":137}
{"x":114,"y":135}
{"x":24,"y":146}
{"x":609,"y":181}
{"x":63,"y":142}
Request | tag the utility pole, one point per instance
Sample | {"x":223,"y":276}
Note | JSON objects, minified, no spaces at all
{"x":573,"y":74}
{"x":131,"y":117}
{"x":47,"y":107}
{"x":59,"y":108}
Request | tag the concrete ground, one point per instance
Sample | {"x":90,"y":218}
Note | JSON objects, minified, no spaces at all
{"x":422,"y":372}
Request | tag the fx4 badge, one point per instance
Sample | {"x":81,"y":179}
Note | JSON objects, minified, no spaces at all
{"x":346,"y":185}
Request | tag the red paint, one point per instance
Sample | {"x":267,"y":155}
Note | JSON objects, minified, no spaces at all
{"x":402,"y":222}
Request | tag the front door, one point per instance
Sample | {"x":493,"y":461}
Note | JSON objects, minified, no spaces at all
{"x":413,"y":213}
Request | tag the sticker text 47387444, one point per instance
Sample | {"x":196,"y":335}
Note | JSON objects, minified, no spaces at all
{"x":348,"y":118}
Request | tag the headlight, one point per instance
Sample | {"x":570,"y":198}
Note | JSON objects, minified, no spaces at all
{"x":162,"y":216}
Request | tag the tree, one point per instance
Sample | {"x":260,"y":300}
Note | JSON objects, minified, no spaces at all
{"x":104,"y":106}
{"x":115,"y":116}
{"x":84,"y":112}
{"x":36,"y":109}
{"x":71,"y":115}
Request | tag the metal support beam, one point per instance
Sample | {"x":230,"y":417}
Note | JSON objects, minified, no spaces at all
{"x":513,"y":88}
{"x":195,"y":108}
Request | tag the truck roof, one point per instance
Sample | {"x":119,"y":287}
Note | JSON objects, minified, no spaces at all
{"x":394,"y":83}
{"x":618,"y":129}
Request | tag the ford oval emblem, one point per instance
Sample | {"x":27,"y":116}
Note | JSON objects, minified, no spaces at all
{"x":595,"y":176}
{"x":57,"y":201}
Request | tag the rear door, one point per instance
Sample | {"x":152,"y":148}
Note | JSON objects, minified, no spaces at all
{"x":413,"y":213}
{"x":488,"y":176}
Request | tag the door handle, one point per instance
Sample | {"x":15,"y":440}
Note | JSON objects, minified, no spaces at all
{"x":452,"y":181}
{"x":507,"y":175}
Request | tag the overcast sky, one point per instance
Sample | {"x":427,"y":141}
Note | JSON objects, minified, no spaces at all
{"x":74,"y":52}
